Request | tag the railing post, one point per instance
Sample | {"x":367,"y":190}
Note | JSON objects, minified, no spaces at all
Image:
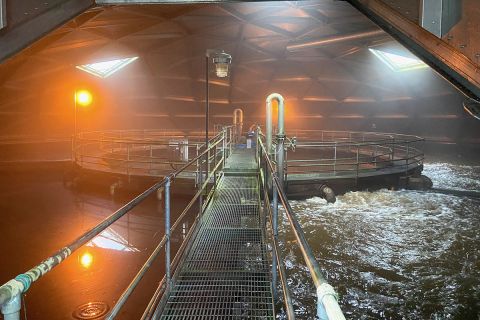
{"x":393,"y":151}
{"x":214,"y":166}
{"x":11,"y":309}
{"x":207,"y":162}
{"x":408,"y":156}
{"x":167,"y":232}
{"x":335,"y":159}
{"x":358,"y":164}
{"x":230,"y":151}
{"x":200,"y":184}
{"x":197,"y":169}
{"x":275,"y":235}
{"x":224,"y":147}
{"x":257,"y":149}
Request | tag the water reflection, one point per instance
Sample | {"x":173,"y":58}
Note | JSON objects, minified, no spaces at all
{"x":395,"y":255}
{"x":110,"y":239}
{"x":50,"y":216}
{"x":86,"y":260}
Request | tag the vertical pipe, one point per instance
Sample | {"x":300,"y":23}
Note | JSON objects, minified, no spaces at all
{"x":280,"y":160}
{"x":167,"y":231}
{"x":268,"y":127}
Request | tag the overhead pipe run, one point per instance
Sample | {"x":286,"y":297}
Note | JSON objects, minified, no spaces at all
{"x":335,"y":39}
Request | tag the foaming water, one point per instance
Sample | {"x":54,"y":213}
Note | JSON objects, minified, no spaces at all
{"x":394,"y":254}
{"x":449,"y":176}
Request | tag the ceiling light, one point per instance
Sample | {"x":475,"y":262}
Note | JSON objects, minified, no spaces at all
{"x":398,"y":63}
{"x":105,"y":69}
{"x":222,"y":60}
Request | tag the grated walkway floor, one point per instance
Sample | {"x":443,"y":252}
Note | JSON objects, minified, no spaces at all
{"x":226,"y":273}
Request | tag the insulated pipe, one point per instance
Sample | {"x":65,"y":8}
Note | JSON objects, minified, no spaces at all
{"x":281,"y":118}
{"x":238,"y":122}
{"x":11,"y":309}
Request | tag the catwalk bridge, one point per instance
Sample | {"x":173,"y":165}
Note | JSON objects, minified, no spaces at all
{"x":230,"y":265}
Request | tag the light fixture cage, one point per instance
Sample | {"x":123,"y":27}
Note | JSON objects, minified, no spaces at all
{"x":222,"y":62}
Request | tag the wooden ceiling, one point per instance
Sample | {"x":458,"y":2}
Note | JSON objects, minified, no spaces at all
{"x":339,"y":79}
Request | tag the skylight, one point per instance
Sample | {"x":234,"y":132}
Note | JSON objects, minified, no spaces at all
{"x":398,"y":63}
{"x":105,"y":69}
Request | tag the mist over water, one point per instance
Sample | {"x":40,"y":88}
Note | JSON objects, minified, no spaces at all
{"x":394,"y":254}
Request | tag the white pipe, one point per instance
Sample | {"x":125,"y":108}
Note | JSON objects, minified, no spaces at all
{"x":238,"y":122}
{"x":281,"y":118}
{"x":327,"y":304}
{"x":11,"y":309}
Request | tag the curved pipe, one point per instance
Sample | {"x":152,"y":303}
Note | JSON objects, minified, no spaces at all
{"x":237,"y":116}
{"x":281,"y":118}
{"x":238,"y":122}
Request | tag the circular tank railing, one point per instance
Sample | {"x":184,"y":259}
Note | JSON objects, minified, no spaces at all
{"x":150,"y":153}
{"x":318,"y":154}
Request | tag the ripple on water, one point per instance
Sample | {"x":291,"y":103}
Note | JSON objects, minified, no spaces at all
{"x":394,"y":254}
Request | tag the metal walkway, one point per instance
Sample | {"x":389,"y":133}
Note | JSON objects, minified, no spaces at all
{"x":226,"y":272}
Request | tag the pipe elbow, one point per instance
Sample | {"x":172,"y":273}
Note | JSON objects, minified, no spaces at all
{"x":276,"y":96}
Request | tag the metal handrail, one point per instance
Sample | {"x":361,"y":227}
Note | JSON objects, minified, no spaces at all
{"x":277,"y":259}
{"x":136,"y":280}
{"x":10,"y":292}
{"x":327,"y":305}
{"x":118,"y":153}
{"x":397,"y":151}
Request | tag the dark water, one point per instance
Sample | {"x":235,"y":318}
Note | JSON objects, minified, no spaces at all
{"x":40,"y":215}
{"x":390,"y":255}
{"x":395,"y":254}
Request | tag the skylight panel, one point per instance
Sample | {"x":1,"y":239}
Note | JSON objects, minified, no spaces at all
{"x":105,"y":69}
{"x":398,"y":63}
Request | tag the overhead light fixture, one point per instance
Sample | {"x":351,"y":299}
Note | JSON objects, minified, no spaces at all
{"x":222,"y":61}
{"x":105,"y":69}
{"x":398,"y":63}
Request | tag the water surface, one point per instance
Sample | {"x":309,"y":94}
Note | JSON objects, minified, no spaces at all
{"x":395,"y":254}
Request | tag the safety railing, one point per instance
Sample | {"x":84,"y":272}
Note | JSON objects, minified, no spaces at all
{"x":146,"y":153}
{"x":12,"y":291}
{"x":327,"y":304}
{"x":340,"y":153}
